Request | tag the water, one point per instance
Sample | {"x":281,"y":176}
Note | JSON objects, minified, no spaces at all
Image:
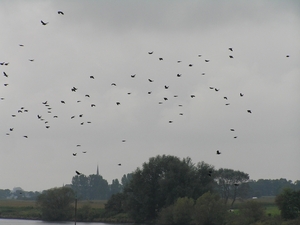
{"x":39,"y":222}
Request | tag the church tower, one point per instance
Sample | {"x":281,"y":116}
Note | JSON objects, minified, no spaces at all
{"x":97,"y":170}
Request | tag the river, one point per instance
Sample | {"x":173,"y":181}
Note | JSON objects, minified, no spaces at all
{"x":39,"y":222}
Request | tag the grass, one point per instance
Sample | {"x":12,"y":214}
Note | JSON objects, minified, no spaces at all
{"x":27,"y":209}
{"x":268,"y":203}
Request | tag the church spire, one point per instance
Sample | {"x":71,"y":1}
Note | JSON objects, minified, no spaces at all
{"x":97,"y":170}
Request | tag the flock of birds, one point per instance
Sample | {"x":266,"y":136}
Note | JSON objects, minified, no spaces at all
{"x":46,"y":120}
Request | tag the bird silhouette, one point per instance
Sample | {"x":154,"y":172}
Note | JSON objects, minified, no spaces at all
{"x":113,"y":84}
{"x":78,"y":173}
{"x":150,"y":80}
{"x":160,"y":58}
{"x":31,"y":60}
{"x":225,"y":98}
{"x":119,"y":164}
{"x":231,"y":56}
{"x":44,"y":23}
{"x":93,"y":105}
{"x":74,"y":154}
{"x":193,"y":96}
{"x":92,"y":77}
{"x":118,"y":103}
{"x":190,"y":65}
{"x":216,"y":89}
{"x":241,"y":94}
{"x":230,"y":49}
{"x":25,"y":136}
{"x":232,"y":129}
{"x":218,"y":152}
{"x":179,"y":75}
{"x":74,"y":89}
{"x":63,"y":102}
{"x":166,"y":87}
{"x":207,"y":60}
{"x":5,"y":74}
{"x":249,"y":111}
{"x":61,"y":12}
{"x":133,"y":75}
{"x":150,"y":53}
{"x":88,"y":96}
{"x":84,"y":152}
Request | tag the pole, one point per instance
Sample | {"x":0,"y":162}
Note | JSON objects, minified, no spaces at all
{"x":75,"y":208}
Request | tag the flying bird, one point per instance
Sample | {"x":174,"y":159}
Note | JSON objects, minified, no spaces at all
{"x":92,"y":77}
{"x":87,"y":96}
{"x":249,"y":111}
{"x":225,"y":98}
{"x":217,"y":89}
{"x":241,"y":94}
{"x":231,"y":129}
{"x":74,"y":154}
{"x":61,"y":12}
{"x":25,"y":136}
{"x":44,"y":23}
{"x":93,"y":105}
{"x":119,"y":164}
{"x":31,"y":60}
{"x":190,"y":65}
{"x":206,"y":60}
{"x":230,"y":49}
{"x":231,"y":56}
{"x":21,"y":45}
{"x":78,"y":173}
{"x":166,"y":87}
{"x":118,"y":103}
{"x":63,"y":102}
{"x":150,"y":80}
{"x":74,"y":89}
{"x":133,"y":75}
{"x":160,"y":58}
{"x":113,"y":84}
{"x":193,"y":96}
{"x":5,"y":74}
{"x":218,"y":152}
{"x":150,"y":53}
{"x":179,"y":75}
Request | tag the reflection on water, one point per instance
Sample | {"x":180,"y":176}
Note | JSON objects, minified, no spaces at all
{"x":38,"y":222}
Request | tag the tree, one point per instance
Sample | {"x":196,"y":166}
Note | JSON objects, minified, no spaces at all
{"x":209,"y":210}
{"x":56,"y":204}
{"x":180,"y":212}
{"x":251,"y":212}
{"x":115,"y":187}
{"x":231,"y":184}
{"x":289,"y":203}
{"x":163,"y":180}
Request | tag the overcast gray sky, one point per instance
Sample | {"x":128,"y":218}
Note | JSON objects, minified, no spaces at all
{"x":110,"y":40}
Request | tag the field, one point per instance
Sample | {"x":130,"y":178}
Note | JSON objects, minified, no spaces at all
{"x":267,"y":201}
{"x":29,"y":210}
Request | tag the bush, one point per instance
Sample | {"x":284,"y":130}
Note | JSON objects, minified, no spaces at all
{"x":56,"y":204}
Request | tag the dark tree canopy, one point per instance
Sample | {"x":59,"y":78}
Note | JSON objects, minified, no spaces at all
{"x":162,"y":181}
{"x":56,"y":204}
{"x":289,"y":203}
{"x":232,"y":184}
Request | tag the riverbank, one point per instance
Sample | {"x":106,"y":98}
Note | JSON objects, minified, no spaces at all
{"x":88,"y":211}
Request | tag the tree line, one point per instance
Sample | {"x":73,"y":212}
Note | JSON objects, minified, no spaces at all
{"x":170,"y":190}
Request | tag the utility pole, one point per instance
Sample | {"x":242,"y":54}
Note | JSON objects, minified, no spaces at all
{"x":75,"y":208}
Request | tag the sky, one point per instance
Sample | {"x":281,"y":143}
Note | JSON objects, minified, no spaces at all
{"x":182,"y":112}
